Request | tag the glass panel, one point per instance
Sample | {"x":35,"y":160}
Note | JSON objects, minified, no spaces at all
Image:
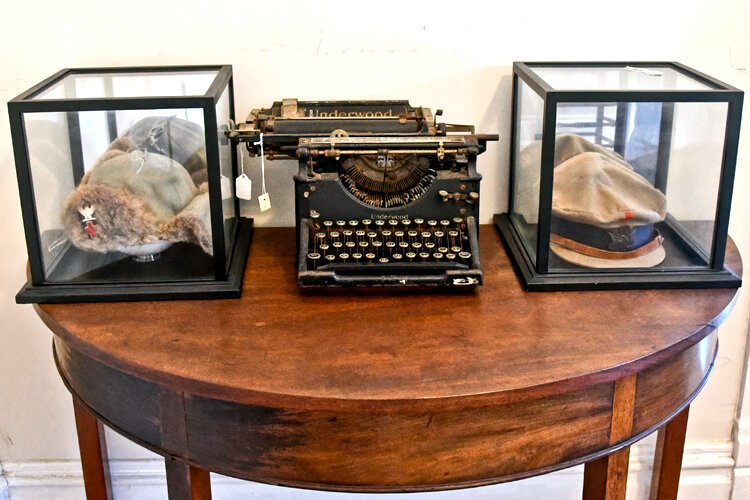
{"x":118,"y":196}
{"x":227,"y":172}
{"x":136,"y":84}
{"x":636,"y":187}
{"x":527,"y":165}
{"x":617,"y":78}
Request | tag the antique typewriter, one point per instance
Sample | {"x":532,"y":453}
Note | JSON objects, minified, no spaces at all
{"x":385,"y":195}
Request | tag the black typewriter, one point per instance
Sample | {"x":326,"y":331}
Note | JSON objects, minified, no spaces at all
{"x":385,"y":195}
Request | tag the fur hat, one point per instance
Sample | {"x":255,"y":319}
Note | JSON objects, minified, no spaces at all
{"x":137,"y":203}
{"x":175,"y":138}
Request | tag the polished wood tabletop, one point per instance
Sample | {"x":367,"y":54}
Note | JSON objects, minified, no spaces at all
{"x":351,"y":389}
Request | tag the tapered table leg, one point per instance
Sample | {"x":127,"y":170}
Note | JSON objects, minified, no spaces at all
{"x":670,"y":444}
{"x":93,"y":448}
{"x":607,"y":477}
{"x":185,"y":482}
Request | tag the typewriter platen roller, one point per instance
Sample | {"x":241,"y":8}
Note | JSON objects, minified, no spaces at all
{"x":384,"y":194}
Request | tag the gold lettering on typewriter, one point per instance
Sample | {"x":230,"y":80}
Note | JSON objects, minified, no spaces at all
{"x":314,"y":113}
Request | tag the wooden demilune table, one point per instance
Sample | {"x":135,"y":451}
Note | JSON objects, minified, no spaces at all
{"x":389,"y":391}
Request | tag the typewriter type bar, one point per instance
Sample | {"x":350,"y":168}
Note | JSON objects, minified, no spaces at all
{"x":384,"y":195}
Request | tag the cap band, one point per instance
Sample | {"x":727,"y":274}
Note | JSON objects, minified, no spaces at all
{"x":604,"y":254}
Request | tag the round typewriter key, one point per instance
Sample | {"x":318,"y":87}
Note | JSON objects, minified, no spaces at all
{"x":458,"y":220}
{"x":386,"y":232}
{"x":344,"y":256}
{"x":429,"y":244}
{"x":417,"y":245}
{"x":397,"y":256}
{"x":360,"y":232}
{"x":412,"y":233}
{"x":437,"y":255}
{"x":398,"y":234}
{"x":353,"y":223}
{"x":337,"y":244}
{"x":330,"y":257}
{"x":450,"y":256}
{"x":366,"y":222}
{"x":455,"y":249}
{"x":426,"y":234}
{"x":324,"y":246}
{"x":363,"y":244}
{"x":320,"y":235}
{"x":424,"y":255}
{"x":432,"y":223}
{"x":328,"y":223}
{"x":406,"y":222}
{"x":390,"y":244}
{"x":370,"y":255}
{"x":393,"y":222}
{"x":314,"y":214}
{"x":377,"y":244}
{"x":445,"y":222}
{"x":464,"y":255}
{"x":453,"y":233}
{"x":383,"y":260}
{"x":313,"y":256}
{"x":403,"y":244}
{"x":341,"y":223}
{"x":380,"y":222}
{"x":372,"y":234}
{"x":418,"y":221}
{"x":334,"y":234}
{"x":439,"y":234}
{"x":410,"y":255}
{"x":350,"y":244}
{"x":347,"y":232}
{"x":442,"y":250}
{"x":356,"y":256}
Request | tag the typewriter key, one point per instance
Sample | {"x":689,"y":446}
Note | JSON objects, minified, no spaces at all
{"x":432,"y":223}
{"x":380,"y":222}
{"x":370,"y":255}
{"x":439,"y":234}
{"x":426,"y":234}
{"x":393,"y":222}
{"x":341,"y":223}
{"x":464,"y":255}
{"x":417,"y":245}
{"x":445,"y":222}
{"x":334,"y":234}
{"x":406,"y":222}
{"x":453,"y":233}
{"x":398,"y":234}
{"x":403,"y":244}
{"x":327,"y":223}
{"x":437,"y":256}
{"x":429,"y":245}
{"x":383,"y":260}
{"x":410,"y":255}
{"x":372,"y":234}
{"x":356,"y":256}
{"x":353,"y":223}
{"x":350,"y":244}
{"x":413,"y":233}
{"x":424,"y":255}
{"x":396,"y":256}
{"x":419,"y":222}
{"x":320,"y":235}
{"x":377,"y":244}
{"x":455,"y":249}
{"x":360,"y":232}
{"x":330,"y":257}
{"x":450,"y":256}
{"x":347,"y":232}
{"x":366,"y":222}
{"x":363,"y":244}
{"x":324,"y":246}
{"x":390,"y":244}
{"x":458,"y":220}
{"x":343,"y":256}
{"x":386,"y":232}
{"x":337,"y":244}
{"x":313,"y":256}
{"x":314,"y":214}
{"x":442,"y":250}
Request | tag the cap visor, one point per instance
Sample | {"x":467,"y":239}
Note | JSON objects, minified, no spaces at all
{"x":651,"y":259}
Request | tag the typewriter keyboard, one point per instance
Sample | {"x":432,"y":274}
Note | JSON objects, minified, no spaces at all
{"x":391,"y":241}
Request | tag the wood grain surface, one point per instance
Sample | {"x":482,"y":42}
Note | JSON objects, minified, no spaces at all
{"x":388,"y":390}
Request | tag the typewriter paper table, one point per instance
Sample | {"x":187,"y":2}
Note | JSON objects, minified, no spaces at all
{"x":378,"y":392}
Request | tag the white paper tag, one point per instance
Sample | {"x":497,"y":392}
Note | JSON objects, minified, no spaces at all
{"x":243,"y":186}
{"x":265,"y":202}
{"x":226,"y":187}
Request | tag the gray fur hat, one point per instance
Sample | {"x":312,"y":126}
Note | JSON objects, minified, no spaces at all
{"x":137,"y":203}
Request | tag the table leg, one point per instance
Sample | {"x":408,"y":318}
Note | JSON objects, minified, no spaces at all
{"x":93,"y":448}
{"x":670,"y":443}
{"x":607,"y":478}
{"x":185,"y":482}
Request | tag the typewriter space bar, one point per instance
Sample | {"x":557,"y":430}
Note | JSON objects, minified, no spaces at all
{"x":404,"y":268}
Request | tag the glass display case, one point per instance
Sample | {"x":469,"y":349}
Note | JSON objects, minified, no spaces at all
{"x":621,"y":176}
{"x":126,"y":184}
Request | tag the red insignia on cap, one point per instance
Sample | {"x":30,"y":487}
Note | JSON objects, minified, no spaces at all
{"x":90,"y":229}
{"x":628,"y":215}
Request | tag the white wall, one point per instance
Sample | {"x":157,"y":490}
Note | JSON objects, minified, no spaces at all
{"x":453,"y":55}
